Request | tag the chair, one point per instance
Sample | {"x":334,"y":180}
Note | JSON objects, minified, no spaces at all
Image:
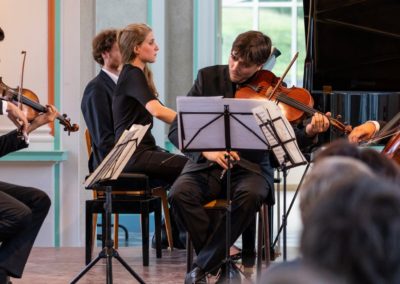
{"x":135,"y":193}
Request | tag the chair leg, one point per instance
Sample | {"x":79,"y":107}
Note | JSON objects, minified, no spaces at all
{"x":145,"y":231}
{"x":116,"y":223}
{"x":94,"y":233}
{"x":157,"y":223}
{"x":263,"y":239}
{"x":160,"y":192}
{"x":259,"y":243}
{"x":89,"y":234}
{"x":189,"y":253}
{"x":267,"y":244}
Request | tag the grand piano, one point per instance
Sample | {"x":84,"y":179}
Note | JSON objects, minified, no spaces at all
{"x":352,"y":67}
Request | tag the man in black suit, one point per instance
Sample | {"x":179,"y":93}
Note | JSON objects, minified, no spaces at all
{"x":252,"y":174}
{"x":97,"y":97}
{"x":22,"y":209}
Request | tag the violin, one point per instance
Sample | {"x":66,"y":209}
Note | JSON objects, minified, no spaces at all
{"x":294,"y":102}
{"x":32,"y":108}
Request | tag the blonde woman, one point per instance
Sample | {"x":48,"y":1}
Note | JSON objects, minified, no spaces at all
{"x":136,"y":101}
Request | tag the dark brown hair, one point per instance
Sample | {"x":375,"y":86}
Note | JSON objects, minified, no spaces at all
{"x":253,"y":47}
{"x":103,"y":42}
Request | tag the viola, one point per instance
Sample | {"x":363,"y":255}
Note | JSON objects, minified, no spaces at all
{"x":294,"y":102}
{"x":32,"y":107}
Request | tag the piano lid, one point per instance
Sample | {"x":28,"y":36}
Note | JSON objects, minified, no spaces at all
{"x":355,"y":45}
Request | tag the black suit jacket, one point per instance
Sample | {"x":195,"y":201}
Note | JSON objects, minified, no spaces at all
{"x":10,"y":142}
{"x":215,"y":81}
{"x":97,"y":112}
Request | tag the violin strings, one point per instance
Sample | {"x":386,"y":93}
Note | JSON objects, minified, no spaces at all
{"x":301,"y":106}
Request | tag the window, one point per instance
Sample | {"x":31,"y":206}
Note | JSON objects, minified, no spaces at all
{"x":281,"y":20}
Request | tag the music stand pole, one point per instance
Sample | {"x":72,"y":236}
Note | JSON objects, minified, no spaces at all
{"x":228,"y":259}
{"x":286,"y":213}
{"x":108,"y":252}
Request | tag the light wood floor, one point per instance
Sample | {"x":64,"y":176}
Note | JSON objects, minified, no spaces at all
{"x":61,"y":265}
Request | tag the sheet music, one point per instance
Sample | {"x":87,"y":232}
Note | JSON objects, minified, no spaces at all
{"x":114,"y":163}
{"x":279,"y":134}
{"x":201,"y":124}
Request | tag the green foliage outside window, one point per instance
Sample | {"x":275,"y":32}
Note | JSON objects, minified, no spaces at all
{"x":276,"y":23}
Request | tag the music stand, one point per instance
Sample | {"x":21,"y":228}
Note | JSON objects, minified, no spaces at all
{"x":217,"y":124}
{"x":282,"y":141}
{"x":105,"y":176}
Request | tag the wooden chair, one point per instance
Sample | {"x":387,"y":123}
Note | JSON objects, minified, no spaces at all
{"x":141,"y":189}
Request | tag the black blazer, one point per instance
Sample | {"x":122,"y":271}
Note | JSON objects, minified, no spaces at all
{"x":97,"y":112}
{"x":10,"y":142}
{"x":215,"y":81}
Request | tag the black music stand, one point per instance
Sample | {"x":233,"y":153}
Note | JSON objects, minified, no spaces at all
{"x":282,"y":141}
{"x":105,"y":176}
{"x":216,"y":124}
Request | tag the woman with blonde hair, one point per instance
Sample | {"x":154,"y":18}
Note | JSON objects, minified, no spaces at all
{"x":136,"y":101}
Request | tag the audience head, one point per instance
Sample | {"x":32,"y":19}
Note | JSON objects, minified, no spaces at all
{"x":298,"y":272}
{"x":103,"y":43}
{"x":353,"y":230}
{"x":340,"y":147}
{"x":381,"y":165}
{"x":326,"y":175}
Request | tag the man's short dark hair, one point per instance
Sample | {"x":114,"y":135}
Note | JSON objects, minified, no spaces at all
{"x":103,"y":42}
{"x":252,"y":47}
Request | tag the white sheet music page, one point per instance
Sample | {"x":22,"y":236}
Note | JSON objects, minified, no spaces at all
{"x":201,"y":124}
{"x":279,"y":134}
{"x":113,"y":164}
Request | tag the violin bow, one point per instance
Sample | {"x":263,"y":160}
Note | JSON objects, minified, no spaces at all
{"x":283,"y":76}
{"x":19,"y":101}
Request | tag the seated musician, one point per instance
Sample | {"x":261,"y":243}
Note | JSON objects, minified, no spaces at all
{"x":251,"y":176}
{"x":22,"y":209}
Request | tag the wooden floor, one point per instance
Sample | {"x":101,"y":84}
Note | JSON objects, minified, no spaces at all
{"x":61,"y":265}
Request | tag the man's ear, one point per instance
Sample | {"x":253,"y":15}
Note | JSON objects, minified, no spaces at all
{"x":104,"y":54}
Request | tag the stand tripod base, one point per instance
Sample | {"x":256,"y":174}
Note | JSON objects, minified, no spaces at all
{"x":108,"y":254}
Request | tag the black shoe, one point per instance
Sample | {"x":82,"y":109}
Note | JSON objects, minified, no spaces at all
{"x":234,"y":275}
{"x":196,"y":276}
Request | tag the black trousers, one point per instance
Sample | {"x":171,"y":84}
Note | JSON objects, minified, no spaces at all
{"x":162,"y":167}
{"x":22,"y":212}
{"x":192,"y":190}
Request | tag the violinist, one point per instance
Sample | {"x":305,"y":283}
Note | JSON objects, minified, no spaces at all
{"x":252,"y":173}
{"x":22,"y":209}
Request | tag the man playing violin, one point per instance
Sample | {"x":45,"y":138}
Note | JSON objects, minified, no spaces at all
{"x":22,"y":209}
{"x":252,"y":173}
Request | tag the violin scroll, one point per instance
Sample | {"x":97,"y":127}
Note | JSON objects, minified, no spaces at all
{"x":66,"y":122}
{"x":32,"y":106}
